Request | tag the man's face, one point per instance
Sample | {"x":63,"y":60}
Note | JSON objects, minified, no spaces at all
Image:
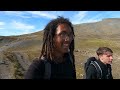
{"x":106,"y":58}
{"x":63,"y":38}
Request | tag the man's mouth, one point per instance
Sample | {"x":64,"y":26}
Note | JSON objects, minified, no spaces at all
{"x":66,"y":45}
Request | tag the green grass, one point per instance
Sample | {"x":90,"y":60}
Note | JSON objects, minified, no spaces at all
{"x":88,"y":43}
{"x":85,"y":47}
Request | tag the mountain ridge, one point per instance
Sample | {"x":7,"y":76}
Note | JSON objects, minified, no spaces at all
{"x":19,"y":51}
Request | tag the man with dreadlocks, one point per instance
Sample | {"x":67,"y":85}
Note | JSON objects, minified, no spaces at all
{"x":57,"y":50}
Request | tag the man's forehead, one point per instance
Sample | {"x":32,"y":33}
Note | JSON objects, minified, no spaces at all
{"x":108,"y":53}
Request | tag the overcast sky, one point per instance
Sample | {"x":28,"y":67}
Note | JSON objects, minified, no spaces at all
{"x":24,"y":22}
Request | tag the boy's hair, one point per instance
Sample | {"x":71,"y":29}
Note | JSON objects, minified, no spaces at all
{"x":102,"y":50}
{"x":49,"y":33}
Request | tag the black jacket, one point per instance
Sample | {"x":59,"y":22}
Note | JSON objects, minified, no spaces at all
{"x":106,"y":71}
{"x":63,"y":70}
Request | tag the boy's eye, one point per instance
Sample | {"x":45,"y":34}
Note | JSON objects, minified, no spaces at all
{"x":109,"y":55}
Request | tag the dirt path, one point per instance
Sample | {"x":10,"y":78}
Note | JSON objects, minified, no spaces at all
{"x":6,"y":68}
{"x":23,"y":59}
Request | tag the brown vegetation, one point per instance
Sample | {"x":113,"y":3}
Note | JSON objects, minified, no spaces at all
{"x":19,"y":51}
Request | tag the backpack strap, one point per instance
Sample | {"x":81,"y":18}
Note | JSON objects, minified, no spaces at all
{"x":47,"y":73}
{"x":98,"y":68}
{"x":70,"y":58}
{"x":47,"y":70}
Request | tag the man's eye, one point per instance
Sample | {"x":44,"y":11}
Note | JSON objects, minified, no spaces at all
{"x":108,"y":55}
{"x":63,"y":34}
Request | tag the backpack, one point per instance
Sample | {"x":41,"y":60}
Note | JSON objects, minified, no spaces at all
{"x":92,"y":60}
{"x":47,"y":72}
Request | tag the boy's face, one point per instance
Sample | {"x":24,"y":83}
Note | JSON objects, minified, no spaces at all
{"x":106,"y":58}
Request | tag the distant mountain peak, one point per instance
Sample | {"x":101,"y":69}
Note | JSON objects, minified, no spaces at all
{"x":111,"y":19}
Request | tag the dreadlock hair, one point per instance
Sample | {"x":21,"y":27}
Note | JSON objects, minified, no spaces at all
{"x":49,"y":33}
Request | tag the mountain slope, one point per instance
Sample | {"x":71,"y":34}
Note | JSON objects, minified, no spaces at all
{"x":18,"y":52}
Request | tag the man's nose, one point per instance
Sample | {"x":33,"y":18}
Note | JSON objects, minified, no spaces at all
{"x":111,"y":57}
{"x":67,"y":38}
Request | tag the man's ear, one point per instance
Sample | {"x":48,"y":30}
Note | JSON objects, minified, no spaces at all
{"x":100,"y":56}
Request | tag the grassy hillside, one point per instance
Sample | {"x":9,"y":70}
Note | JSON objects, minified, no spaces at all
{"x":18,"y":51}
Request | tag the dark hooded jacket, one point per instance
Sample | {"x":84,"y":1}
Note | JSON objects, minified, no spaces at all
{"x":64,"y":70}
{"x":92,"y":73}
